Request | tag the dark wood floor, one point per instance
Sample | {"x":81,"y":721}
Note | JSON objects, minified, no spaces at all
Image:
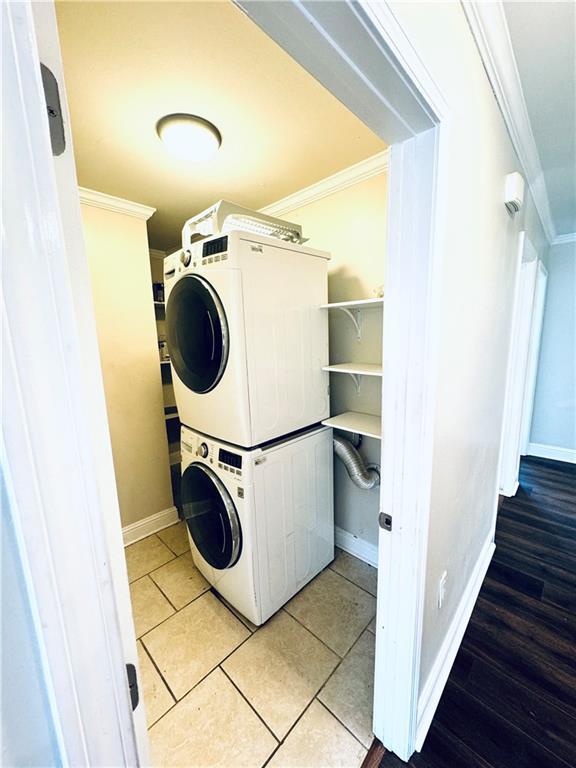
{"x":510,"y":701}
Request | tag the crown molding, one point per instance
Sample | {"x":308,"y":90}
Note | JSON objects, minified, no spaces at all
{"x":116,"y":204}
{"x":564,"y":239}
{"x":361,"y":171}
{"x":156,"y":254}
{"x":490,"y":30}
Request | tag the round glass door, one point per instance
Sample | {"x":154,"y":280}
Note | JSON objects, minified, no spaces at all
{"x":197,"y":333}
{"x":211,"y":516}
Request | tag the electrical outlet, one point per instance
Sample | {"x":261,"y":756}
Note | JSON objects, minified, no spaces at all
{"x":442,"y":589}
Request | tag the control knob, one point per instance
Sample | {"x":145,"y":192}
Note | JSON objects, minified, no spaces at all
{"x":202,"y":450}
{"x":185,"y":258}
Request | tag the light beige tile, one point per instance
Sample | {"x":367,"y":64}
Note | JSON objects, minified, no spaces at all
{"x":212,"y":726}
{"x":176,"y":538}
{"x":145,"y":556}
{"x":349,"y":692}
{"x":279,"y":670}
{"x":236,"y":612}
{"x":372,"y":625}
{"x":353,"y":569}
{"x":334,"y":610}
{"x":194,"y":641}
{"x":180,"y":580}
{"x":157,"y":698}
{"x":319,"y":741}
{"x":149,"y":606}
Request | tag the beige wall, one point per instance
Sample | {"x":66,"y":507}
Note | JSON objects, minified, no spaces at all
{"x":117,"y":249}
{"x":477,"y":290}
{"x":351,"y":224}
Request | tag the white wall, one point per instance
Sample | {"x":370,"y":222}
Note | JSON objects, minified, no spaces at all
{"x":554,"y":414}
{"x":351,"y":224}
{"x":118,"y":256}
{"x":477,"y":288}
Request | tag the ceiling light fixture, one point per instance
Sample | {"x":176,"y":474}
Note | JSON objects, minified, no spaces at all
{"x":188,"y":136}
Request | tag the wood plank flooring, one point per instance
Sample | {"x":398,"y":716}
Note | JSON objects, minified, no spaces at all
{"x":511,"y":696}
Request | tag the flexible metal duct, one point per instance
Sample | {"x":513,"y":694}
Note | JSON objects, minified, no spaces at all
{"x":362,"y":475}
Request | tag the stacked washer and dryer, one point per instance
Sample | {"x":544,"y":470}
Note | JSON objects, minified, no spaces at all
{"x":247,"y":342}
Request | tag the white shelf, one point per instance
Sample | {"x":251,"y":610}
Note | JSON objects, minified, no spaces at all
{"x":359,"y":423}
{"x":353,"y":310}
{"x":159,"y":303}
{"x":358,"y":304}
{"x":170,"y":416}
{"x":355,"y":369}
{"x":164,"y":362}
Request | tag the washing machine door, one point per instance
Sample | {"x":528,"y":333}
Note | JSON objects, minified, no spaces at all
{"x":211,"y":516}
{"x":197,"y":333}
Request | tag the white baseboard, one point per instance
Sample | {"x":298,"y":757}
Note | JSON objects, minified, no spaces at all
{"x":511,"y":491}
{"x":360,"y":548}
{"x":149,"y":525}
{"x":552,"y":452}
{"x":436,"y":681}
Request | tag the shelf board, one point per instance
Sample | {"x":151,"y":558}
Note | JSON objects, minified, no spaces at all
{"x":164,"y":362}
{"x":170,"y":416}
{"x":358,"y":423}
{"x":355,"y":369}
{"x":159,"y":303}
{"x":358,"y":304}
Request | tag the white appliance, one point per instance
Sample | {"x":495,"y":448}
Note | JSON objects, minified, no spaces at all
{"x":260,"y":521}
{"x":246,"y":336}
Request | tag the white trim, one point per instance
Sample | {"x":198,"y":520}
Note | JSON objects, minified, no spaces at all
{"x":555,"y":452}
{"x":156,"y":254}
{"x":149,"y":525}
{"x":354,"y":174}
{"x":564,"y":239}
{"x":436,"y":680}
{"x":116,"y":204}
{"x":490,"y":29}
{"x":356,"y":546}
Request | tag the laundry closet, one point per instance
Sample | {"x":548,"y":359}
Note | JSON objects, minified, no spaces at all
{"x":292,"y":651}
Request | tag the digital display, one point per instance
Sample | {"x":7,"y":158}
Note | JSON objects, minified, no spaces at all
{"x":232,"y":459}
{"x":215,"y":246}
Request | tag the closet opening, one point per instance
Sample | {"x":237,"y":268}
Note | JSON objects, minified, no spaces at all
{"x":290,"y":150}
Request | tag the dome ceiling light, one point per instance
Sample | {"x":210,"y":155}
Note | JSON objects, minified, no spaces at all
{"x":189,"y":137}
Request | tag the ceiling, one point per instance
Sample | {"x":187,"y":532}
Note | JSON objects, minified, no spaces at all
{"x":543,"y":38}
{"x":127,"y":64}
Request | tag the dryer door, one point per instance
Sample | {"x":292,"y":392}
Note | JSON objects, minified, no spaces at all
{"x":197,"y":333}
{"x":211,"y":516}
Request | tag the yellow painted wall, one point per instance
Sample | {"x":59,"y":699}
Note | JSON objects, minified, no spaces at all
{"x":351,"y":224}
{"x":117,"y":249}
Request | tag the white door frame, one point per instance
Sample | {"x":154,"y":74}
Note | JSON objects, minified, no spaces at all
{"x":362,"y":54}
{"x":517,"y":370}
{"x":533,"y":355}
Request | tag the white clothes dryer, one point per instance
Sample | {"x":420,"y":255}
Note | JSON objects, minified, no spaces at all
{"x":246,"y":336}
{"x":260,"y":521}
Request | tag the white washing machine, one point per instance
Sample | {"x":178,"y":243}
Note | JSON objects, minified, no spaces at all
{"x":260,"y":521}
{"x":246,"y":336}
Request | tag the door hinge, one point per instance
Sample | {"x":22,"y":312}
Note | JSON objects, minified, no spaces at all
{"x":133,"y":685}
{"x":385,"y":521}
{"x":54,"y":110}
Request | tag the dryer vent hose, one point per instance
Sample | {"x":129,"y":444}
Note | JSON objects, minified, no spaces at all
{"x":363,"y":475}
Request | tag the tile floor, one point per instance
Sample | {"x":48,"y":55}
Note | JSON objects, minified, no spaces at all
{"x":296,"y":692}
